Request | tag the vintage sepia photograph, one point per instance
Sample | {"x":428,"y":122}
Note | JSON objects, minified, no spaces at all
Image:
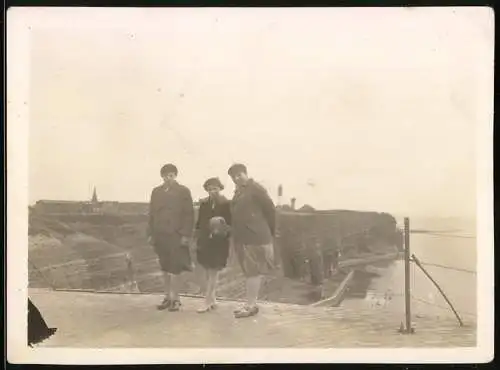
{"x":250,"y":185}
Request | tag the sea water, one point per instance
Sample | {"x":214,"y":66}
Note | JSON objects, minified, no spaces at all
{"x":448,"y":243}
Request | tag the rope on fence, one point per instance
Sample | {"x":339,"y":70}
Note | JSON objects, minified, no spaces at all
{"x":448,"y":267}
{"x":448,"y":235}
{"x":439,"y":306}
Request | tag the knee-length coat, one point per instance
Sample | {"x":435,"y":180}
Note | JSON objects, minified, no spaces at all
{"x":171,"y":217}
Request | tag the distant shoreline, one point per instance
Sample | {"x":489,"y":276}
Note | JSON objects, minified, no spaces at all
{"x":427,"y":231}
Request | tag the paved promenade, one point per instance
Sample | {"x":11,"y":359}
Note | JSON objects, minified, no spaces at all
{"x":103,"y":320}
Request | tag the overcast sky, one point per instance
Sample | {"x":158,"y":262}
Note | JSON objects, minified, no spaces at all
{"x":354,"y":109}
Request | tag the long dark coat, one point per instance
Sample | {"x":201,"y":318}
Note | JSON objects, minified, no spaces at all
{"x":253,"y":215}
{"x":171,"y":217}
{"x":212,"y":251}
{"x":171,"y":211}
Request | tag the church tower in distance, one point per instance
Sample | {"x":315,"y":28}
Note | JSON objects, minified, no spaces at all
{"x":94,"y":196}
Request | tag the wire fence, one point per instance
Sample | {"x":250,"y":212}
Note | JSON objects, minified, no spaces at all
{"x":448,"y":267}
{"x":421,"y":300}
{"x":457,"y":292}
{"x":444,"y":235}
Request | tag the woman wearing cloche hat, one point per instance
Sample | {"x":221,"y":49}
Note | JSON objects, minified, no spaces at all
{"x":212,"y":230}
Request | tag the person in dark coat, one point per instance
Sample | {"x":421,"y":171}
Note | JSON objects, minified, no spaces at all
{"x":253,"y":223}
{"x":212,"y":232}
{"x":171,"y":222}
{"x":38,"y":331}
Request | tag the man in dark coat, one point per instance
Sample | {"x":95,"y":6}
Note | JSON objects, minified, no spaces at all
{"x":253,"y":222}
{"x":171,"y":222}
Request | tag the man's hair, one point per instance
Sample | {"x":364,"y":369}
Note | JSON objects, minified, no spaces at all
{"x":236,"y":169}
{"x":168,"y":168}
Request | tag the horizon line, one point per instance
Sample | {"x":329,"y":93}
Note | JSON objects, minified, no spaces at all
{"x":396,"y":214}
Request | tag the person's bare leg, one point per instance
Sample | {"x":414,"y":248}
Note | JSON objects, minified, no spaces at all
{"x":201,"y":278}
{"x":174,"y":293}
{"x":211,"y":295}
{"x":252,"y":289}
{"x":174,"y":287}
{"x":167,"y":299}
{"x":211,"y":291}
{"x":253,"y":284}
{"x":208,"y":290}
{"x":166,"y":284}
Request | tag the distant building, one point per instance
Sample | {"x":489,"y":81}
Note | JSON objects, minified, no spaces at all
{"x":59,"y":206}
{"x":94,"y":206}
